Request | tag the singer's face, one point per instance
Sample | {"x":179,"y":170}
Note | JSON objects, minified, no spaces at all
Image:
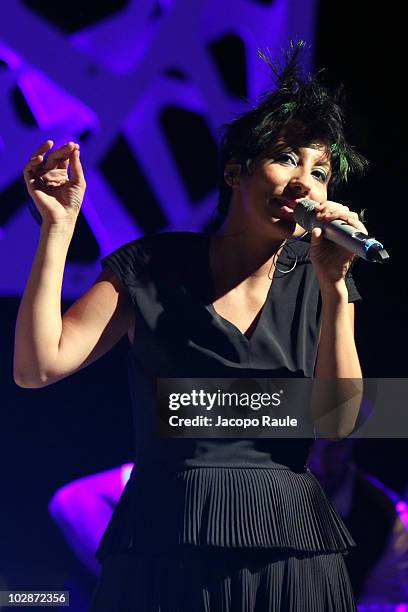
{"x":276,"y":181}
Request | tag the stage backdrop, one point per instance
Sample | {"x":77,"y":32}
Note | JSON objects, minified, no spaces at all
{"x":144,"y":86}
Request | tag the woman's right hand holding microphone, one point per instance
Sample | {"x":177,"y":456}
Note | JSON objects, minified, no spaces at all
{"x":57,"y":186}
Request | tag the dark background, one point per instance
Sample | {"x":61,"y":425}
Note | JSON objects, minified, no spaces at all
{"x":82,"y":425}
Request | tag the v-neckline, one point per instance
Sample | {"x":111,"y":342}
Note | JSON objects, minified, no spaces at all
{"x":210,"y":306}
{"x":255,"y":323}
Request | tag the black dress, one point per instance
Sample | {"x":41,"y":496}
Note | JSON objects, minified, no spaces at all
{"x":219,"y":524}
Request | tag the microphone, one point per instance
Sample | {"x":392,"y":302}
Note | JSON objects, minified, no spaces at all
{"x":341,"y":233}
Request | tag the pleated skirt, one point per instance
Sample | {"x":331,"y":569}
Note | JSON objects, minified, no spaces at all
{"x":225,"y":508}
{"x":224,"y":580}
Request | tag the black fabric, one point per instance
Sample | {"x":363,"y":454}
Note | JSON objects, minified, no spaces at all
{"x":180,"y":335}
{"x":220,"y":493}
{"x":225,"y":507}
{"x":213,"y":580}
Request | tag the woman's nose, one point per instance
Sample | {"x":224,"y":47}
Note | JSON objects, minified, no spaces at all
{"x":300,"y":185}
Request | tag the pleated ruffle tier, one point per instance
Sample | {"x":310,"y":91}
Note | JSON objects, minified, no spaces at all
{"x":215,"y":580}
{"x":226,"y":507}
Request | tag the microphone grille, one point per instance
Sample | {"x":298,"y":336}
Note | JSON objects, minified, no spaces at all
{"x":304,"y":213}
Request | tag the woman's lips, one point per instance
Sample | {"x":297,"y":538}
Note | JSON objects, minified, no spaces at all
{"x":282,"y":208}
{"x":285,"y":202}
{"x":287,"y":209}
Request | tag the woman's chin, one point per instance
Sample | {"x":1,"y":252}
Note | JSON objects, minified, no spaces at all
{"x":287,"y":226}
{"x":281,"y":216}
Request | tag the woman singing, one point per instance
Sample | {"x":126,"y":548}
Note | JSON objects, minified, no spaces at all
{"x":214,"y":524}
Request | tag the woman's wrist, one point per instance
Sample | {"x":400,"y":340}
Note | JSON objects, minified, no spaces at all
{"x":63,"y":228}
{"x":334,"y":293}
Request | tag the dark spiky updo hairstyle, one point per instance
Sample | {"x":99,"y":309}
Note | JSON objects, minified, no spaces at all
{"x":300,"y":108}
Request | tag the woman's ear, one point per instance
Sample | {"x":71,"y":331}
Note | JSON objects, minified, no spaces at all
{"x":232,"y":173}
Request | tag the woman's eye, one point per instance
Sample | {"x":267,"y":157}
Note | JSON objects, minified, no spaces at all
{"x":290,"y":158}
{"x":286,"y":157}
{"x":321,"y":175}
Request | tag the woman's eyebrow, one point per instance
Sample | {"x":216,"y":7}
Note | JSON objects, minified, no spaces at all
{"x":323,"y":162}
{"x":285,"y":147}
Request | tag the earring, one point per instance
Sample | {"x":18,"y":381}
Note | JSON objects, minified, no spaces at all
{"x":290,"y":269}
{"x":286,"y":245}
{"x":300,"y":237}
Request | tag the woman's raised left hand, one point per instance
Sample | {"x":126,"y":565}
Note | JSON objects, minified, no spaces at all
{"x":331,"y":261}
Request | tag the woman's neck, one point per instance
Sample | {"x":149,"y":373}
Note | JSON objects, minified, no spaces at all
{"x":238,"y":255}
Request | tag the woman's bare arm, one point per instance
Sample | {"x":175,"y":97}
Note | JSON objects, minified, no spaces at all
{"x":337,"y":353}
{"x":338,"y":382}
{"x":49,"y":346}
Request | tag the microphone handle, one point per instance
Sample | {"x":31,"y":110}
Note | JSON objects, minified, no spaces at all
{"x":341,"y":233}
{"x":347,"y":236}
{"x":350,"y":238}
